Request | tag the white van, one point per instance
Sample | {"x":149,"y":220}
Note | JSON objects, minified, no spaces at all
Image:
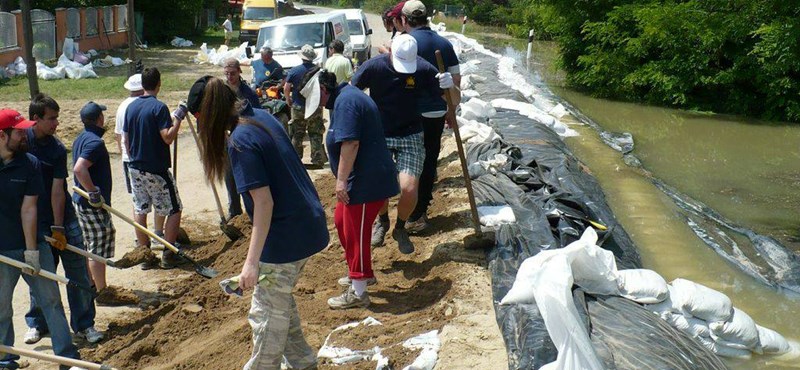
{"x":360,"y":33}
{"x":287,"y":35}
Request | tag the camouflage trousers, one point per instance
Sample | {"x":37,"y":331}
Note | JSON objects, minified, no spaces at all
{"x":277,"y":334}
{"x":315,"y":127}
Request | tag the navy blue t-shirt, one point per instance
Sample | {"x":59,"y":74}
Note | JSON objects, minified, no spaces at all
{"x":355,"y":117}
{"x":144,"y":119}
{"x":19,"y":178}
{"x":246,"y":93}
{"x":261,"y":154}
{"x":52,"y":156}
{"x":396,"y":94}
{"x":428,"y":42}
{"x":263,"y":71}
{"x":295,"y":77}
{"x":89,"y":145}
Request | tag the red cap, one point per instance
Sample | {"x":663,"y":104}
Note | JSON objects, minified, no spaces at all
{"x":397,"y":11}
{"x":10,"y":118}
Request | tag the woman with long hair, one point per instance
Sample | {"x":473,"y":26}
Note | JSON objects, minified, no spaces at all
{"x":289,"y":224}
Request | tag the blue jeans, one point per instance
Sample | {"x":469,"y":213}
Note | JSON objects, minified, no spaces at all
{"x":49,"y":298}
{"x":81,"y":303}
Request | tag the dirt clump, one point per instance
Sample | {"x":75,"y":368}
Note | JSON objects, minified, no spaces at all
{"x":116,"y":296}
{"x":137,"y":256}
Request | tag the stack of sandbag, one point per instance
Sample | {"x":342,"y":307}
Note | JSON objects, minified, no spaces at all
{"x":475,"y":132}
{"x":476,"y":109}
{"x":16,"y":68}
{"x":217,"y":56}
{"x":529,"y":110}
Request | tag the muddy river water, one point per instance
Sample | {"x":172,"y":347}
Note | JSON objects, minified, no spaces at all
{"x":748,"y":171}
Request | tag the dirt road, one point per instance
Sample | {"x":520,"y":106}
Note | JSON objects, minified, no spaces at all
{"x":442,"y":286}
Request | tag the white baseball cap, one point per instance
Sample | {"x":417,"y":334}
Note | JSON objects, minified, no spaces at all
{"x":404,"y":53}
{"x":134,"y":83}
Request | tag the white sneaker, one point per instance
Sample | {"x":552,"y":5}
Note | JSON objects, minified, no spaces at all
{"x":349,"y":299}
{"x":346,"y":282}
{"x":77,"y":368}
{"x":32,"y":336}
{"x":90,"y":334}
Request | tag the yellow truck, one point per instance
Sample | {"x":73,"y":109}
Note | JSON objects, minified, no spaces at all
{"x":254,"y":14}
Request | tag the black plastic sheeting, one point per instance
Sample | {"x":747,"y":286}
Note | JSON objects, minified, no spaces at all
{"x":554,"y":198}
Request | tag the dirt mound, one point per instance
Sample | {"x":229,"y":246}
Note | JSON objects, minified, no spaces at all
{"x":116,"y":296}
{"x":136,"y":256}
{"x":199,"y":327}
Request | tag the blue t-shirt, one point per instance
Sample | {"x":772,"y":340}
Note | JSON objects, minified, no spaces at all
{"x":295,"y":77}
{"x":396,"y":94}
{"x":246,"y":93}
{"x":19,"y":178}
{"x":52,"y":156}
{"x":261,"y":154}
{"x":144,"y":119}
{"x":89,"y":145}
{"x":355,"y":117}
{"x":264,"y":71}
{"x":428,"y":42}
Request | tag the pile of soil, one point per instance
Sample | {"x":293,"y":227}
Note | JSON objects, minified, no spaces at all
{"x":199,"y":327}
{"x":116,"y":296}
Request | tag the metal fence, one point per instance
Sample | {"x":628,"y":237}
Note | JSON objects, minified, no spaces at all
{"x":44,"y":34}
{"x":108,"y":19}
{"x":73,"y":23}
{"x":90,"y":20}
{"x":122,"y":17}
{"x":8,"y":31}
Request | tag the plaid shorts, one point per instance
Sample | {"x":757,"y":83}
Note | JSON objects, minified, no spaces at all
{"x":98,"y":230}
{"x":152,"y":190}
{"x":408,"y":152}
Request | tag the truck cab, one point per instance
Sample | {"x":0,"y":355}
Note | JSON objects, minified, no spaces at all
{"x":255,"y":13}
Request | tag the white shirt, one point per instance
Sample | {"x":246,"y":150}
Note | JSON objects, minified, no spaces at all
{"x":120,"y":122}
{"x":227,"y":25}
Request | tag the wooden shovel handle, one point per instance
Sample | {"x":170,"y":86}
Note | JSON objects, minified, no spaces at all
{"x":66,"y":361}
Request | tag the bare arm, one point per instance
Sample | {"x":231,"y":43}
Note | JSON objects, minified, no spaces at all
{"x":287,"y":92}
{"x":262,"y":219}
{"x":58,"y":199}
{"x":118,"y":139}
{"x":29,"y":220}
{"x":81,"y":172}
{"x":347,"y":157}
{"x":169,"y":134}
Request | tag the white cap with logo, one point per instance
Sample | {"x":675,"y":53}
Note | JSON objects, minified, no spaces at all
{"x":404,"y":54}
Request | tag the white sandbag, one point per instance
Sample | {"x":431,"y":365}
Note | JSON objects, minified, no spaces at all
{"x":179,"y":42}
{"x":429,"y":343}
{"x":724,"y":351}
{"x":496,"y":215}
{"x":80,"y":72}
{"x":666,"y":306}
{"x":469,"y":94}
{"x":642,"y":285}
{"x":46,"y":73}
{"x":722,"y":342}
{"x":689,"y":325}
{"x":469,"y":67}
{"x":740,"y":329}
{"x":470,"y":113}
{"x":475,"y":132}
{"x":771,"y":341}
{"x":558,"y":111}
{"x":20,"y":67}
{"x":700,"y":301}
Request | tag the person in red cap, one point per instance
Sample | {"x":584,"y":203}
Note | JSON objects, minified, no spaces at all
{"x":393,"y":23}
{"x":21,"y":181}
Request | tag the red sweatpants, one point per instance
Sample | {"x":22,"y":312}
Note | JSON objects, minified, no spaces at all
{"x":354,"y":225}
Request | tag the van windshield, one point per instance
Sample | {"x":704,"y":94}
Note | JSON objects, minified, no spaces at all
{"x":355,"y":27}
{"x":259,"y":14}
{"x":291,"y":37}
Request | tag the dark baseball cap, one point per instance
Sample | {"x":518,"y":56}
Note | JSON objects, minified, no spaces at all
{"x":91,"y":111}
{"x":10,"y":118}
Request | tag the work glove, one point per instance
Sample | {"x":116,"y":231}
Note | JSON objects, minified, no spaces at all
{"x":445,"y":80}
{"x":32,"y":259}
{"x":96,"y":199}
{"x":180,"y":112}
{"x":59,"y":236}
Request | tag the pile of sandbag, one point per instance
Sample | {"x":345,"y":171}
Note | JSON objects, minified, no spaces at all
{"x":550,"y":118}
{"x":16,"y":68}
{"x":217,"y":56}
{"x":179,"y":42}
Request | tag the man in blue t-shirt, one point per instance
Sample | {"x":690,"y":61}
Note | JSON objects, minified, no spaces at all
{"x":396,"y":82}
{"x":21,"y":184}
{"x":415,"y":22}
{"x":302,"y":122}
{"x":365,"y":178}
{"x":265,"y":68}
{"x":57,"y":220}
{"x":150,"y":130}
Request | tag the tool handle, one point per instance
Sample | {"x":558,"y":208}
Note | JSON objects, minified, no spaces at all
{"x":127,"y":219}
{"x":43,"y":273}
{"x":451,"y":113}
{"x":213,"y":186}
{"x":85,"y":253}
{"x":66,"y":361}
{"x":175,"y":158}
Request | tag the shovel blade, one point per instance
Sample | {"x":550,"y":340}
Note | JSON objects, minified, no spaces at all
{"x":206,"y":272}
{"x":231,"y":232}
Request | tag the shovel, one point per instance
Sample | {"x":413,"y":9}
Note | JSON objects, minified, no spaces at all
{"x":231,"y":232}
{"x":84,"y":253}
{"x":46,"y":274}
{"x":480,"y":239}
{"x":66,"y":361}
{"x":203,"y":271}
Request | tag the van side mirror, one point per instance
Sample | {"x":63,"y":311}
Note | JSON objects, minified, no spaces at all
{"x":369,"y":31}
